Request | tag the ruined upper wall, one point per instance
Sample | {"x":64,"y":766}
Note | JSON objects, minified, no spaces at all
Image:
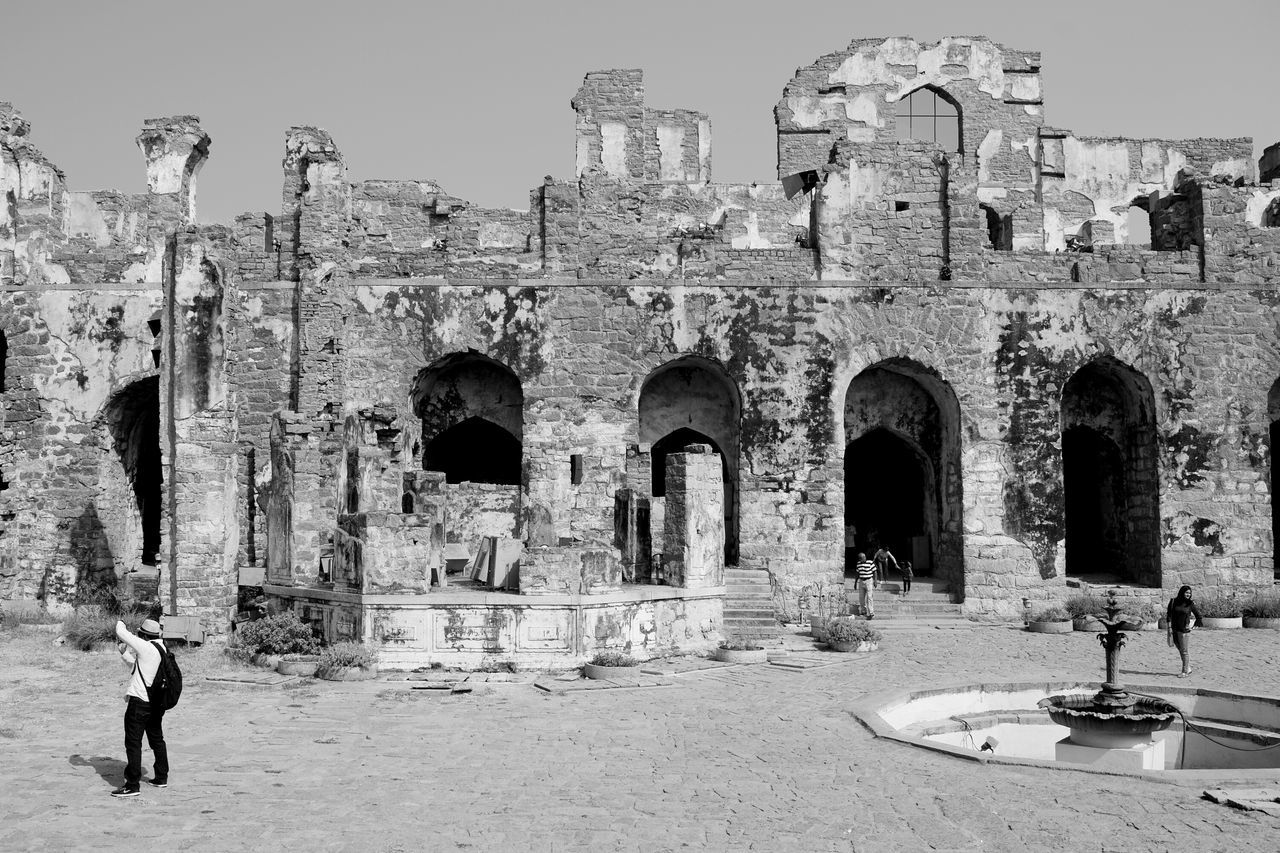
{"x":863,"y":196}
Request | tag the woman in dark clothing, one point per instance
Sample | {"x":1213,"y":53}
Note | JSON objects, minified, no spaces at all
{"x":1182,"y":617}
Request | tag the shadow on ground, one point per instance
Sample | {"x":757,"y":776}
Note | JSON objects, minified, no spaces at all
{"x":110,"y":769}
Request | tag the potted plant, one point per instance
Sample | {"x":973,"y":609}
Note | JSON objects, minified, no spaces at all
{"x":1050,"y":620}
{"x":1219,"y":612}
{"x":294,"y":663}
{"x":272,"y":637}
{"x":1262,"y":611}
{"x":846,"y":634}
{"x":347,"y":661}
{"x":820,"y":614}
{"x":728,"y":652}
{"x":609,"y":663}
{"x":1084,"y":609}
{"x":1143,"y":617}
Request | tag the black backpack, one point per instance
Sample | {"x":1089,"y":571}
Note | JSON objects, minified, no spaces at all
{"x":165,"y":689}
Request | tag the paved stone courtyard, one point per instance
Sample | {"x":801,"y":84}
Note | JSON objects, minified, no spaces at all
{"x":753,"y":757}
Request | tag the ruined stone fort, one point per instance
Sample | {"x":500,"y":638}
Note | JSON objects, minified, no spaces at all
{"x":1026,"y":358}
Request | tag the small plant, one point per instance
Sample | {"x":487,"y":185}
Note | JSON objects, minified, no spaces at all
{"x":740,"y":647}
{"x":1143,"y":612}
{"x":1085,"y":604}
{"x":346,"y":655}
{"x":1261,"y":606}
{"x":281,"y":634}
{"x":1219,"y":607}
{"x":846,"y":629}
{"x":90,"y":626}
{"x":1051,"y":614}
{"x":609,"y":657}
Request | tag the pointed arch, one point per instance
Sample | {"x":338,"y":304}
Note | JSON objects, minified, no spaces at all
{"x":693,"y":399}
{"x":931,"y":114}
{"x":472,"y":412}
{"x":903,"y":483}
{"x":1109,"y":473}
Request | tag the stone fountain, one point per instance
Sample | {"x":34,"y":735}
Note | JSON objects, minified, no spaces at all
{"x":1111,"y":729}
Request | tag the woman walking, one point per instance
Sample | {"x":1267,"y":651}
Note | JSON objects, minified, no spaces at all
{"x":1182,"y":617}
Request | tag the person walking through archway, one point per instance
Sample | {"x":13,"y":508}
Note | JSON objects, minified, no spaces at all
{"x":868,"y":579}
{"x":1182,"y":616}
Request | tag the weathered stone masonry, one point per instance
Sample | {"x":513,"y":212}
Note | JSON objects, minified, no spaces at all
{"x":185,"y":402}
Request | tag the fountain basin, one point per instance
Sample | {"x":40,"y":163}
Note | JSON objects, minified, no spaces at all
{"x":1098,"y":726}
{"x":1237,"y":736}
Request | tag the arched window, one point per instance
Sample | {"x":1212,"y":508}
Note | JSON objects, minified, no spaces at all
{"x":472,"y":411}
{"x":999,"y":229}
{"x":929,"y":114}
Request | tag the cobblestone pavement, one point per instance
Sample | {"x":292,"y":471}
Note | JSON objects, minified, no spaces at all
{"x":749,"y":758}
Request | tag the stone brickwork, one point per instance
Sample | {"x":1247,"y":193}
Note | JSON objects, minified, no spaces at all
{"x":693,"y":527}
{"x":189,"y":400}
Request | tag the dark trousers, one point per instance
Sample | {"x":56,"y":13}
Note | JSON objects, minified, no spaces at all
{"x":906,"y":584}
{"x":139,"y":718}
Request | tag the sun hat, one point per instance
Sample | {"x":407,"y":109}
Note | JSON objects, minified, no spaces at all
{"x":150,"y":626}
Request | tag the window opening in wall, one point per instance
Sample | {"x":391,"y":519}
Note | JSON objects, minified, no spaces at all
{"x":251,"y":492}
{"x":1137,"y":226}
{"x":932,"y":116}
{"x":575,"y":469}
{"x":999,"y":229}
{"x":406,"y":503}
{"x":900,"y":206}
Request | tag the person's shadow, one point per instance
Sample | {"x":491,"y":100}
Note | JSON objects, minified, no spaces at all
{"x":110,"y":769}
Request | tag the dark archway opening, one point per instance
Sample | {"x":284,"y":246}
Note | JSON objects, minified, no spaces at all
{"x":1109,"y":475}
{"x":1093,"y":480}
{"x":133,"y":419}
{"x":887,"y":495}
{"x":999,"y":229}
{"x":476,"y":451}
{"x":693,"y":401}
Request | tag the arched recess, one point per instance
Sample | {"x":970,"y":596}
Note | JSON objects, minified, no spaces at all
{"x":1110,"y":476}
{"x":931,"y":114}
{"x":126,"y":517}
{"x":472,"y":411}
{"x":692,"y":400}
{"x":902,"y":469}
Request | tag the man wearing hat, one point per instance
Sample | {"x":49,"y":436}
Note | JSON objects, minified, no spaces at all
{"x":141,"y":655}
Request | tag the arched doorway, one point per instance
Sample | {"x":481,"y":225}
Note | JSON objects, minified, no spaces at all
{"x":889,"y":498}
{"x":902,"y":469}
{"x":1109,"y":475}
{"x":692,"y":401}
{"x":472,"y":411}
{"x":121,"y":531}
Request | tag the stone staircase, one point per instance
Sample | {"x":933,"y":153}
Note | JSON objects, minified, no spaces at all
{"x":748,"y":607}
{"x":929,"y":604}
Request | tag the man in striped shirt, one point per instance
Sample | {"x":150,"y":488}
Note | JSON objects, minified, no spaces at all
{"x":868,"y":580}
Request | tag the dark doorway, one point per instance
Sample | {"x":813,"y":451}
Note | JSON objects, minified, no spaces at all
{"x":1093,"y":479}
{"x":887,"y":497}
{"x":476,"y":451}
{"x":133,"y":418}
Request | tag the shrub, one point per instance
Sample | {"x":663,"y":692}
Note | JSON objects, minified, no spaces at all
{"x":107,"y":599}
{"x":740,"y":647}
{"x":1218,"y":607}
{"x":1261,"y":606}
{"x":1144,"y":612}
{"x":1085,"y":604}
{"x":609,"y":657}
{"x":281,"y":634}
{"x":846,"y":629}
{"x":90,"y":625}
{"x":1051,"y":614}
{"x":344,"y":655}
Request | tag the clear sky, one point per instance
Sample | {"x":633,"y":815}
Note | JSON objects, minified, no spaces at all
{"x":475,"y":93}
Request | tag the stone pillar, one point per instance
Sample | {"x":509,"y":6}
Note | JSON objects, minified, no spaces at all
{"x":693,"y":527}
{"x":430,"y":514}
{"x":176,"y":149}
{"x":633,"y":536}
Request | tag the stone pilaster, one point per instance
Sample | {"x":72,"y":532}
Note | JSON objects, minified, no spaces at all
{"x":693,"y":527}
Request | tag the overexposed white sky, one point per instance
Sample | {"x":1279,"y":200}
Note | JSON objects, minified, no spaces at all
{"x":475,"y":93}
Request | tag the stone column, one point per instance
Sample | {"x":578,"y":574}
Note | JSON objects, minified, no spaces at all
{"x":693,"y":527}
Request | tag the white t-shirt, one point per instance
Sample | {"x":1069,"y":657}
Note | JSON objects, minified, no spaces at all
{"x":147,"y":658}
